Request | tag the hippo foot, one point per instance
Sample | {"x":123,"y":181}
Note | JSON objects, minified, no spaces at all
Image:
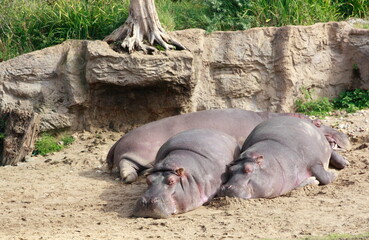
{"x":308,"y":181}
{"x":322,"y":175}
{"x":128,"y":177}
{"x":337,"y":161}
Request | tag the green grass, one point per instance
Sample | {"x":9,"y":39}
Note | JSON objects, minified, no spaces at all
{"x":349,"y":100}
{"x":28,"y":25}
{"x":48,"y":143}
{"x":294,"y":12}
{"x":308,"y":105}
{"x":352,"y":100}
{"x":336,"y":236}
{"x":352,"y":8}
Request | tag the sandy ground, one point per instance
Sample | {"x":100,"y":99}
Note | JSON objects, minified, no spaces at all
{"x":70,"y":195}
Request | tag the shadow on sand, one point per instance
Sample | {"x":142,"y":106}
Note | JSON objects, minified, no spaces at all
{"x":119,"y":197}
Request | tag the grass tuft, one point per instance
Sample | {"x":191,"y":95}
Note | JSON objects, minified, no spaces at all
{"x":48,"y":144}
{"x":349,"y":100}
{"x":352,"y":100}
{"x":318,"y":107}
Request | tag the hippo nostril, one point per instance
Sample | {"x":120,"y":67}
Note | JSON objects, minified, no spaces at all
{"x":143,"y":201}
{"x":154,"y":200}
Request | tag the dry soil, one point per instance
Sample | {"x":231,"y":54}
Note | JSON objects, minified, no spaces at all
{"x":71,"y":195}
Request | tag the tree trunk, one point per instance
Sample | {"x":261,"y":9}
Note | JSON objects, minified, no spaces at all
{"x":20,"y":134}
{"x":142,"y":25}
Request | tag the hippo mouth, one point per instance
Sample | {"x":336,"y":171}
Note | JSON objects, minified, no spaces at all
{"x":155,"y":207}
{"x":237,"y":191}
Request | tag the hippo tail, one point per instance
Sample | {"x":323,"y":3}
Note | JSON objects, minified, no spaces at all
{"x":110,"y":157}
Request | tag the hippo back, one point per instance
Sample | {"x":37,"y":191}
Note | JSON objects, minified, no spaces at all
{"x":299,"y":135}
{"x":209,"y":143}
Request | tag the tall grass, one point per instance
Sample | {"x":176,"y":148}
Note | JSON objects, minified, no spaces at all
{"x":352,"y":8}
{"x":178,"y":15}
{"x":292,"y":12}
{"x":28,"y":25}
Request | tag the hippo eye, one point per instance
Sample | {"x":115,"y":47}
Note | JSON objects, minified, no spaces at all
{"x":247,"y":168}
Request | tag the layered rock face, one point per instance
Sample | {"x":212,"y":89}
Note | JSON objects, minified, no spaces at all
{"x":85,"y":84}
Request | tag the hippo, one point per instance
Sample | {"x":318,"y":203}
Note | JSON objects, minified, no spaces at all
{"x":189,"y":170}
{"x":135,"y":151}
{"x":280,"y":154}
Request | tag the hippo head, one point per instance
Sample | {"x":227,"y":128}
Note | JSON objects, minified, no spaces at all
{"x":244,"y":177}
{"x":165,"y":195}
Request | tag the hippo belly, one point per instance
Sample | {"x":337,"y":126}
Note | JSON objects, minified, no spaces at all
{"x":279,"y":155}
{"x":189,"y":170}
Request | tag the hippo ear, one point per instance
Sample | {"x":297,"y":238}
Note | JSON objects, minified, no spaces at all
{"x":317,"y":123}
{"x":180,"y":172}
{"x":257,"y":157}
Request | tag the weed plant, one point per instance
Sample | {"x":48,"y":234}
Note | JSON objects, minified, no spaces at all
{"x":318,"y":107}
{"x":350,"y":101}
{"x":67,"y":140}
{"x":48,"y":144}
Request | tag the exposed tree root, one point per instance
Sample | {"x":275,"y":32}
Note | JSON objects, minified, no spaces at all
{"x":142,"y":30}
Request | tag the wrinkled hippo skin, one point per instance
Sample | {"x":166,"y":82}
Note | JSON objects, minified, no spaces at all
{"x":279,"y":155}
{"x":188,"y":172}
{"x":136,"y":150}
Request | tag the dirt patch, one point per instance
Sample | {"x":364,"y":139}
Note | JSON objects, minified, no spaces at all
{"x":70,"y":195}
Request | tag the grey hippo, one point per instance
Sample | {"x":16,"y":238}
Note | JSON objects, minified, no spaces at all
{"x":279,"y":155}
{"x":188,"y":171}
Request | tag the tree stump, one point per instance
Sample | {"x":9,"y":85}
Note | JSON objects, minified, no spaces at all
{"x":21,"y":129}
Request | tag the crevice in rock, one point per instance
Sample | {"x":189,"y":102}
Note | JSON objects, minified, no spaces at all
{"x":3,"y":122}
{"x":123,"y":108}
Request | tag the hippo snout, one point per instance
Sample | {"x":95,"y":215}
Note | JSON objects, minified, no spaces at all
{"x":231,"y":190}
{"x":151,"y":201}
{"x":227,"y":190}
{"x":154,"y":207}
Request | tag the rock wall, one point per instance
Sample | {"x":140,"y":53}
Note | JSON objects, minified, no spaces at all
{"x":265,"y":68}
{"x":84,"y":84}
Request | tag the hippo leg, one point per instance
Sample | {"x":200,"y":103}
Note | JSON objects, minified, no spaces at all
{"x":337,"y":161}
{"x":128,"y":171}
{"x":308,"y":181}
{"x":323,"y":176}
